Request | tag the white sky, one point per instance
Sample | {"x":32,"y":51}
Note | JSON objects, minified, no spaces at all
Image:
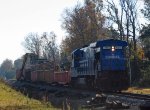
{"x":19,"y":17}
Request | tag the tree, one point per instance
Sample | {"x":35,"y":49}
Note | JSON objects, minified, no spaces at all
{"x":49,"y":47}
{"x":33,"y":43}
{"x":124,"y":15}
{"x":113,"y":33}
{"x":65,"y":62}
{"x":146,"y":10}
{"x":145,"y":31}
{"x":7,"y":70}
{"x":145,"y":39}
{"x":115,"y":16}
{"x":18,"y":63}
{"x":84,"y":24}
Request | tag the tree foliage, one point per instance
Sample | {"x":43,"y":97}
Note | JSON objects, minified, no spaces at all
{"x":7,"y":70}
{"x":146,"y":10}
{"x":83,"y":24}
{"x":145,"y":31}
{"x":18,"y":63}
{"x":145,"y":39}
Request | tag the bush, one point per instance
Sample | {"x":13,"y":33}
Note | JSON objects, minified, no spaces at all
{"x":145,"y":75}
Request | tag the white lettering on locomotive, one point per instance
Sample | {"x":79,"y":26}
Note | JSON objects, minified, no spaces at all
{"x":112,"y":57}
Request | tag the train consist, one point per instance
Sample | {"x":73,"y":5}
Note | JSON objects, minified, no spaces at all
{"x":103,"y":64}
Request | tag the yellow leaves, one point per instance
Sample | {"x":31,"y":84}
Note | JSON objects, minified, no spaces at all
{"x":140,"y":53}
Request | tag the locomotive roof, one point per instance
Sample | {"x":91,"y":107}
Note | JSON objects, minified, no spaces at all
{"x":108,"y":42}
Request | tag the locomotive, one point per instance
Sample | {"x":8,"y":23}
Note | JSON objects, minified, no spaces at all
{"x":103,"y":65}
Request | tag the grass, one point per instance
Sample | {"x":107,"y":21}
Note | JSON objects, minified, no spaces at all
{"x":13,"y":100}
{"x":138,"y":90}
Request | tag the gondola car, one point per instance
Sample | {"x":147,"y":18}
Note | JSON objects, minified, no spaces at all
{"x":103,"y":64}
{"x":36,"y":69}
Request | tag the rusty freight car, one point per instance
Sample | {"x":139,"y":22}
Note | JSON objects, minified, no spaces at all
{"x":41,"y":70}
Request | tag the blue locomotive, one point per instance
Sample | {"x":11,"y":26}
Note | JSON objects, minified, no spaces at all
{"x":103,"y":64}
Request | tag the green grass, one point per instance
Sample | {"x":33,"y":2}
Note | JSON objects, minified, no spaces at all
{"x":13,"y":100}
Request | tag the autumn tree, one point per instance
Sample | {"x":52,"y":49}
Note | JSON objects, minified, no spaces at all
{"x":83,"y":24}
{"x":145,"y":31}
{"x":145,"y":40}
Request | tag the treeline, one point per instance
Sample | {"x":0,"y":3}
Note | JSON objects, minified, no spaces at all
{"x":8,"y":68}
{"x":97,"y":20}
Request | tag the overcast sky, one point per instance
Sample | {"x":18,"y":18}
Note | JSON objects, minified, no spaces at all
{"x":19,"y":17}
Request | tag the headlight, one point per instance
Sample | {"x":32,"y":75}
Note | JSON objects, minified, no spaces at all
{"x":112,"y":48}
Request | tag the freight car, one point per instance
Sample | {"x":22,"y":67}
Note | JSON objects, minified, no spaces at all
{"x":36,"y":69}
{"x":103,"y":65}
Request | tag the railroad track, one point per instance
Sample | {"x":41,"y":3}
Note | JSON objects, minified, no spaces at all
{"x":133,"y":95}
{"x":129,"y":99}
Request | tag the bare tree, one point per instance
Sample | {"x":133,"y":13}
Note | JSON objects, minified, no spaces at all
{"x":116,"y":15}
{"x":33,"y":43}
{"x":49,"y":47}
{"x":124,"y":14}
